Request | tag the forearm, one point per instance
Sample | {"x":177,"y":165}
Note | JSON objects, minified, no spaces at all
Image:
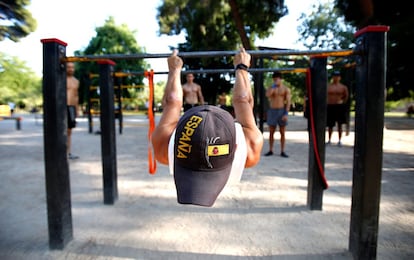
{"x":201,"y":98}
{"x":288,"y":101}
{"x":287,"y":106}
{"x":77,"y":105}
{"x":172,"y":103}
{"x":243,"y":109}
{"x":269,"y":92}
{"x":243,"y":99}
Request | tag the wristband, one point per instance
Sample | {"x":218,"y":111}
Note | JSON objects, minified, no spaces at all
{"x":241,"y":66}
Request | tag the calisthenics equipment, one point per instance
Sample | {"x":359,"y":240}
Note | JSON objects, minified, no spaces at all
{"x":370,"y":49}
{"x":208,"y":54}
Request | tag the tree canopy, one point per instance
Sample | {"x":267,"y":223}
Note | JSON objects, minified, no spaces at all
{"x":16,"y":21}
{"x":398,"y":16}
{"x":18,"y":83}
{"x":324,"y":28}
{"x":112,"y":39}
{"x":218,"y":25}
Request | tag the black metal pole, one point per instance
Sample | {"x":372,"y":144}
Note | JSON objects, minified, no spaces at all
{"x":89,"y":105}
{"x":261,"y":97}
{"x":317,"y":139}
{"x":59,"y":210}
{"x":369,"y":126}
{"x":108,"y":141}
{"x":119,"y":92}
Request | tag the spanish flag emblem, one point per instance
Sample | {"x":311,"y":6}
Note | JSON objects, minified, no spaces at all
{"x":217,"y":150}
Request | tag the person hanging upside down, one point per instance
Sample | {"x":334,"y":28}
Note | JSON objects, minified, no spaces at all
{"x":206,"y":147}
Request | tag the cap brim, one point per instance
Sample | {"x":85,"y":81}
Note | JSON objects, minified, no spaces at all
{"x":199,"y":187}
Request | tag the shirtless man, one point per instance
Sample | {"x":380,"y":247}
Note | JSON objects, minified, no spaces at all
{"x":192,"y":93}
{"x":72,"y":86}
{"x":277,"y":115}
{"x":336,"y":105}
{"x":222,"y":100}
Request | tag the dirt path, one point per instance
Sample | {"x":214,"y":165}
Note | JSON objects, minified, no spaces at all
{"x":263,"y":217}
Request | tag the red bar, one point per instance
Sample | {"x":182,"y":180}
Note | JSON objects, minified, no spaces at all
{"x":54,"y":40}
{"x":372,"y":28}
{"x":110,"y":62}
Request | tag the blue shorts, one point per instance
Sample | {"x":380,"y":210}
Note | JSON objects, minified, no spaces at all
{"x":274,"y":117}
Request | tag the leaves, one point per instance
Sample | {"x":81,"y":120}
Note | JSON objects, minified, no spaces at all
{"x":17,"y":82}
{"x":16,"y":21}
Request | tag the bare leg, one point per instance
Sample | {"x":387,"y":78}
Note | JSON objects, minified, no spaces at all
{"x":271,"y":139}
{"x":69,"y":141}
{"x":339,"y":133}
{"x":282,"y":131}
{"x":69,"y":146}
{"x":330,"y":130}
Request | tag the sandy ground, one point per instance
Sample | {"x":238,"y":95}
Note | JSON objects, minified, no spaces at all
{"x":263,"y":217}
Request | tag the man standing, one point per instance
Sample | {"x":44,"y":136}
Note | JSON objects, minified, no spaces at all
{"x":277,"y":115}
{"x":192,"y":93}
{"x":72,"y":86}
{"x":336,"y":105}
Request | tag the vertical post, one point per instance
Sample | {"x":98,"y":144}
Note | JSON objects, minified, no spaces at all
{"x":259,"y":94}
{"x":55,"y":136}
{"x":89,"y":103}
{"x":369,"y":125}
{"x":118,"y":93}
{"x":18,"y":123}
{"x":318,"y":90}
{"x":108,"y":144}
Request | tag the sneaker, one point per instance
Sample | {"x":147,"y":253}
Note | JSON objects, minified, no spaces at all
{"x":268,"y":153}
{"x":339,"y":144}
{"x":284,"y":155}
{"x":329,"y":142}
{"x":73,"y":157}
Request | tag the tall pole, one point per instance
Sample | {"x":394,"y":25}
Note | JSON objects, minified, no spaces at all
{"x":108,"y":141}
{"x":317,"y":115}
{"x":369,"y":125}
{"x":59,"y":210}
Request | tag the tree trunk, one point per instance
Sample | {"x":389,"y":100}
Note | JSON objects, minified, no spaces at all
{"x":239,"y":25}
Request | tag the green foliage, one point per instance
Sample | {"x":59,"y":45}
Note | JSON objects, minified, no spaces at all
{"x":18,"y":83}
{"x":112,"y":39}
{"x":17,"y":21}
{"x":324,"y":28}
{"x":159,"y":92}
{"x":210,"y":25}
{"x":399,"y":17}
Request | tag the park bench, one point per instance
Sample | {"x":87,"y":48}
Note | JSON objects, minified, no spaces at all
{"x":5,"y":114}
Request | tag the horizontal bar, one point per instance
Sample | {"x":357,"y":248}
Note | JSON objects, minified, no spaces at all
{"x":205,"y":54}
{"x":252,"y":70}
{"x":212,"y":71}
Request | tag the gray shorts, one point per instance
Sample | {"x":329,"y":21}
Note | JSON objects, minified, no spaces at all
{"x":274,"y":117}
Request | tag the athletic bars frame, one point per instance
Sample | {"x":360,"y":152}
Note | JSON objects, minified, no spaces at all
{"x":208,"y":54}
{"x":366,"y":184}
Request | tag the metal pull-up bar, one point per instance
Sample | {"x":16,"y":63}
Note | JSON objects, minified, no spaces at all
{"x":206,"y":54}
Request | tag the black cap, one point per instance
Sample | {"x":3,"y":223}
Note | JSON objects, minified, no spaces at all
{"x":336,"y":73}
{"x":277,"y":74}
{"x":204,"y":146}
